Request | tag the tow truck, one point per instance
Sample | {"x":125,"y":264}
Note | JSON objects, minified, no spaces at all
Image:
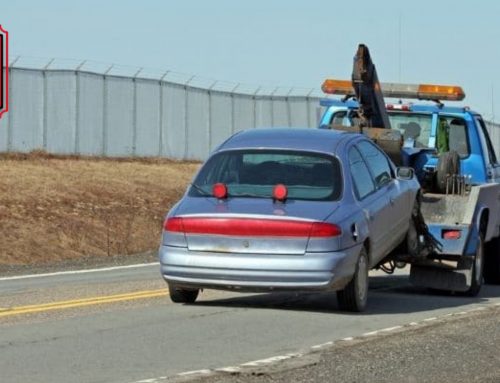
{"x":454,"y":244}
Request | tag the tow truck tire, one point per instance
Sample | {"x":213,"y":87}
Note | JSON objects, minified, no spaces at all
{"x":178,"y":295}
{"x":448,"y":165}
{"x":477,"y":270}
{"x":492,"y":262}
{"x":355,"y":295}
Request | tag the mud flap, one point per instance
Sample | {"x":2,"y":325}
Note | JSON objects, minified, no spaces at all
{"x":438,"y":278}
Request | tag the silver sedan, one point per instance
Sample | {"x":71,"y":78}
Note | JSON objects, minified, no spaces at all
{"x":288,"y":209}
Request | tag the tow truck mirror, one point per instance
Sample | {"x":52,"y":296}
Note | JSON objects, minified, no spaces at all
{"x":405,"y":173}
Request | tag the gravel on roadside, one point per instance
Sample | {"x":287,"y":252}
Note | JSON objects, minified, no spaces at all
{"x":459,"y":349}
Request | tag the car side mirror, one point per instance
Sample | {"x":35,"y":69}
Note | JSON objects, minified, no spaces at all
{"x":404,"y":173}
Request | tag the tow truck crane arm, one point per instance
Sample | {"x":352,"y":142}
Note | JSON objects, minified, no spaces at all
{"x":372,"y":111}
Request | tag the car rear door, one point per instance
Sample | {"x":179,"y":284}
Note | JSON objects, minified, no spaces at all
{"x":371,"y":201}
{"x":394,"y":216}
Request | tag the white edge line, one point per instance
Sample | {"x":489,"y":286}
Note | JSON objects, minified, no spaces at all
{"x":388,"y":329}
{"x":229,"y":369}
{"x":261,"y":362}
{"x":322,"y":345}
{"x":83,"y":271}
{"x":430,"y":319}
{"x":194,"y":372}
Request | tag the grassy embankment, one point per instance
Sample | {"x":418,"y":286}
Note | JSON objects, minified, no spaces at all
{"x":61,"y":208}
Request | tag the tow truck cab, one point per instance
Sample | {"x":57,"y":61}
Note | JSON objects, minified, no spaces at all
{"x":419,"y":127}
{"x":462,"y":221}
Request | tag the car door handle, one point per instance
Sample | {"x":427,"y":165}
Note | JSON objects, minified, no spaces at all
{"x":369,"y":216}
{"x":354,"y":231}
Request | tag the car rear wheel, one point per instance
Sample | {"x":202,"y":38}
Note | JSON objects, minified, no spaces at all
{"x":492,"y":262}
{"x":355,"y":295}
{"x":179,"y":295}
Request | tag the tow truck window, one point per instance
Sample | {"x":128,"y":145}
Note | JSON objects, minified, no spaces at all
{"x":415,"y":128}
{"x":491,"y":151}
{"x":457,"y":135}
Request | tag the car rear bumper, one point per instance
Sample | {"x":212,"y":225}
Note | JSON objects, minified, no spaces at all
{"x":257,"y":272}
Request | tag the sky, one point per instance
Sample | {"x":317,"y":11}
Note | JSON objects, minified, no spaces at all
{"x":273,"y":42}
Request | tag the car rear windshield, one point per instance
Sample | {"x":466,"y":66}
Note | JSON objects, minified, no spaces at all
{"x":254,"y":173}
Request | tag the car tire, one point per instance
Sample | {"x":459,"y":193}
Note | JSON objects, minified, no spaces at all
{"x":355,"y":295}
{"x":492,"y":262}
{"x":412,"y":241}
{"x":179,"y":295}
{"x":448,"y":165}
{"x":477,"y":270}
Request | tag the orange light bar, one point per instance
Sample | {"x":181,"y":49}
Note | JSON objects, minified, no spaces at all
{"x":394,"y":90}
{"x":440,"y":92}
{"x":339,"y":87}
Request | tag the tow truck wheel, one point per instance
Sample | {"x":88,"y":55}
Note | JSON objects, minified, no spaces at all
{"x":448,"y":165}
{"x":477,"y":270}
{"x":492,"y":262}
{"x":355,"y":295}
{"x":178,"y":295}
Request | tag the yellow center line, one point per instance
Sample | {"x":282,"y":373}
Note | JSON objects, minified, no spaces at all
{"x":82,"y":302}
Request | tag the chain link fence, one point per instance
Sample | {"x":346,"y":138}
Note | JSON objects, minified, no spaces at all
{"x":92,"y":108}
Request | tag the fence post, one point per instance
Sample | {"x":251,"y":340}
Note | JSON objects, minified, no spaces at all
{"x":44,"y":101}
{"x":105,"y":110}
{"x":272,"y":104}
{"x":308,"y":103}
{"x":186,"y":117}
{"x":77,"y":107}
{"x":210,"y":88}
{"x":289,"y":107}
{"x":160,"y":114}
{"x":134,"y":113}
{"x":233,"y":111}
{"x":10,"y":122}
{"x":254,"y":96}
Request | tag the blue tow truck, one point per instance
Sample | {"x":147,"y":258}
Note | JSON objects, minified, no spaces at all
{"x":454,"y":244}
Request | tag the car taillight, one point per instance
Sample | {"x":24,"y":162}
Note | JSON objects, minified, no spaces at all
{"x":451,"y":234}
{"x":323,"y":229}
{"x":173,"y":224}
{"x":251,"y":227}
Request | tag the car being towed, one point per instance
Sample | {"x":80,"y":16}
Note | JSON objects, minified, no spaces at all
{"x":288,"y":209}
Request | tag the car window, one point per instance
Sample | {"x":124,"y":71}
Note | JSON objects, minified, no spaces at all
{"x":361,"y":177}
{"x":377,"y":163}
{"x":254,"y":173}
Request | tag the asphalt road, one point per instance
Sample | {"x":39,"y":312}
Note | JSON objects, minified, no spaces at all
{"x":118,"y":326}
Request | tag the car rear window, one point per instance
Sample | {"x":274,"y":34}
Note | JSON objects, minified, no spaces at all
{"x":254,"y":173}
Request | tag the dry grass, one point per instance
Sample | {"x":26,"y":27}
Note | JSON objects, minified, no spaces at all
{"x":55,"y":209}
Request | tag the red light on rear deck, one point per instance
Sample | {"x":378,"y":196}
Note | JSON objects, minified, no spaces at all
{"x":280,"y":192}
{"x":219,"y":190}
{"x":451,"y":234}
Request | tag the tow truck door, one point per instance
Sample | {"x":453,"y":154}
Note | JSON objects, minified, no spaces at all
{"x":490,"y":158}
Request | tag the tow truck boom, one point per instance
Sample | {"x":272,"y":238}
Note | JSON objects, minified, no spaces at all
{"x":372,"y":112}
